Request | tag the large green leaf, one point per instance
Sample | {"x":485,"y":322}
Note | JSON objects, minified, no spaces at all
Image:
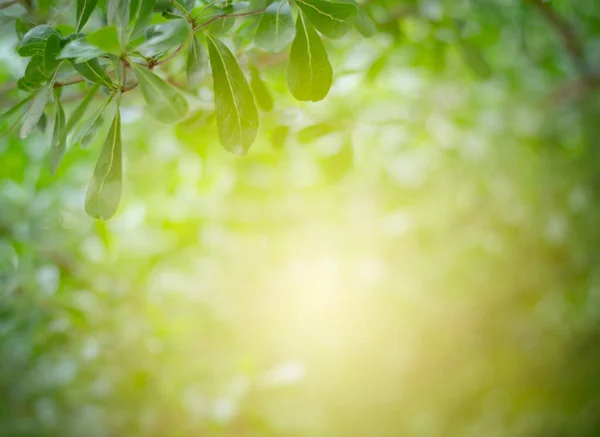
{"x":106,"y":38}
{"x":34,"y":41}
{"x":104,"y":191}
{"x":59,"y":144}
{"x":80,"y":50}
{"x":164,"y":102}
{"x":196,"y":62}
{"x":309,"y":74}
{"x":276,"y":28}
{"x":333,"y":18}
{"x":364,"y":24}
{"x":163,"y":37}
{"x":237,"y":116}
{"x":84,"y":10}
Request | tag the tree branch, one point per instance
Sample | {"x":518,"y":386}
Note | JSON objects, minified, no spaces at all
{"x":8,"y":4}
{"x":565,"y":31}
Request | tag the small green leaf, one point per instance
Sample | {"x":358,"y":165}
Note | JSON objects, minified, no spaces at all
{"x":84,"y":10}
{"x":79,"y":50}
{"x":35,"y":74}
{"x":364,"y":24}
{"x":87,"y":128}
{"x":276,"y":28}
{"x":79,"y":112}
{"x":237,"y":116}
{"x":164,"y":102}
{"x":34,"y":41}
{"x":59,"y":144}
{"x":92,"y":71}
{"x":309,"y":74}
{"x":106,"y":39}
{"x":263,"y":97}
{"x":333,"y":18}
{"x":35,"y":111}
{"x":6,"y":115}
{"x":196,"y":62}
{"x":104,"y":191}
{"x":475,"y":60}
{"x":278,"y":137}
{"x":163,"y":37}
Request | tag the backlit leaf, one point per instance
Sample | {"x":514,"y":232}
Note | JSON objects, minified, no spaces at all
{"x":263,"y":97}
{"x":106,"y":38}
{"x":333,"y":18}
{"x":309,"y":74}
{"x":237,"y":116}
{"x":104,"y":191}
{"x":196,"y":62}
{"x":276,"y":28}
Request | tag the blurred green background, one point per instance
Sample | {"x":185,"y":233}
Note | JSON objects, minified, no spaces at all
{"x":418,"y":256}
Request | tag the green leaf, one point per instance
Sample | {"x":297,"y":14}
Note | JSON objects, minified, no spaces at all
{"x":475,"y":60}
{"x":79,"y":112}
{"x":59,"y":144}
{"x":263,"y":97}
{"x":106,"y":39}
{"x":117,"y":15}
{"x":84,"y":10}
{"x":104,"y":191}
{"x":237,"y":116}
{"x":92,"y":71}
{"x":333,"y":18}
{"x":309,"y":74}
{"x":21,"y":28}
{"x":278,"y":137}
{"x":34,"y":41}
{"x":196,"y":62}
{"x":163,"y":37}
{"x":164,"y":102}
{"x":51,"y":52}
{"x":35,"y":74}
{"x":6,"y":115}
{"x":276,"y":27}
{"x":311,"y":133}
{"x":365,"y":25}
{"x":79,"y":50}
{"x":85,"y":130}
{"x":139,"y":14}
{"x":35,"y":111}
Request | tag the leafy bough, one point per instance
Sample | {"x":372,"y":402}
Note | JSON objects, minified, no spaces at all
{"x":142,"y":35}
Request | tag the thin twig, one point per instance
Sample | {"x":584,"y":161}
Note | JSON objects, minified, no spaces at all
{"x":220,"y":17}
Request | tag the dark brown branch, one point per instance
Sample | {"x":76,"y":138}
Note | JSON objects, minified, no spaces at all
{"x":8,"y":4}
{"x":565,"y":31}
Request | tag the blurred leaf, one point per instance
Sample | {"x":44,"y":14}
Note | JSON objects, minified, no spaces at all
{"x":263,"y":97}
{"x":59,"y":144}
{"x":475,"y":60}
{"x":163,"y":37}
{"x":51,"y":52}
{"x":279,"y":136}
{"x":34,"y":41}
{"x":309,"y":74}
{"x":197,"y":60}
{"x":333,"y":18}
{"x":165,"y":102}
{"x":84,"y":11}
{"x":276,"y":28}
{"x":237,"y":116}
{"x":106,"y":38}
{"x":311,"y":133}
{"x":364,"y":24}
{"x":104,"y":191}
{"x":118,"y":15}
{"x":6,"y":115}
{"x":21,"y":27}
